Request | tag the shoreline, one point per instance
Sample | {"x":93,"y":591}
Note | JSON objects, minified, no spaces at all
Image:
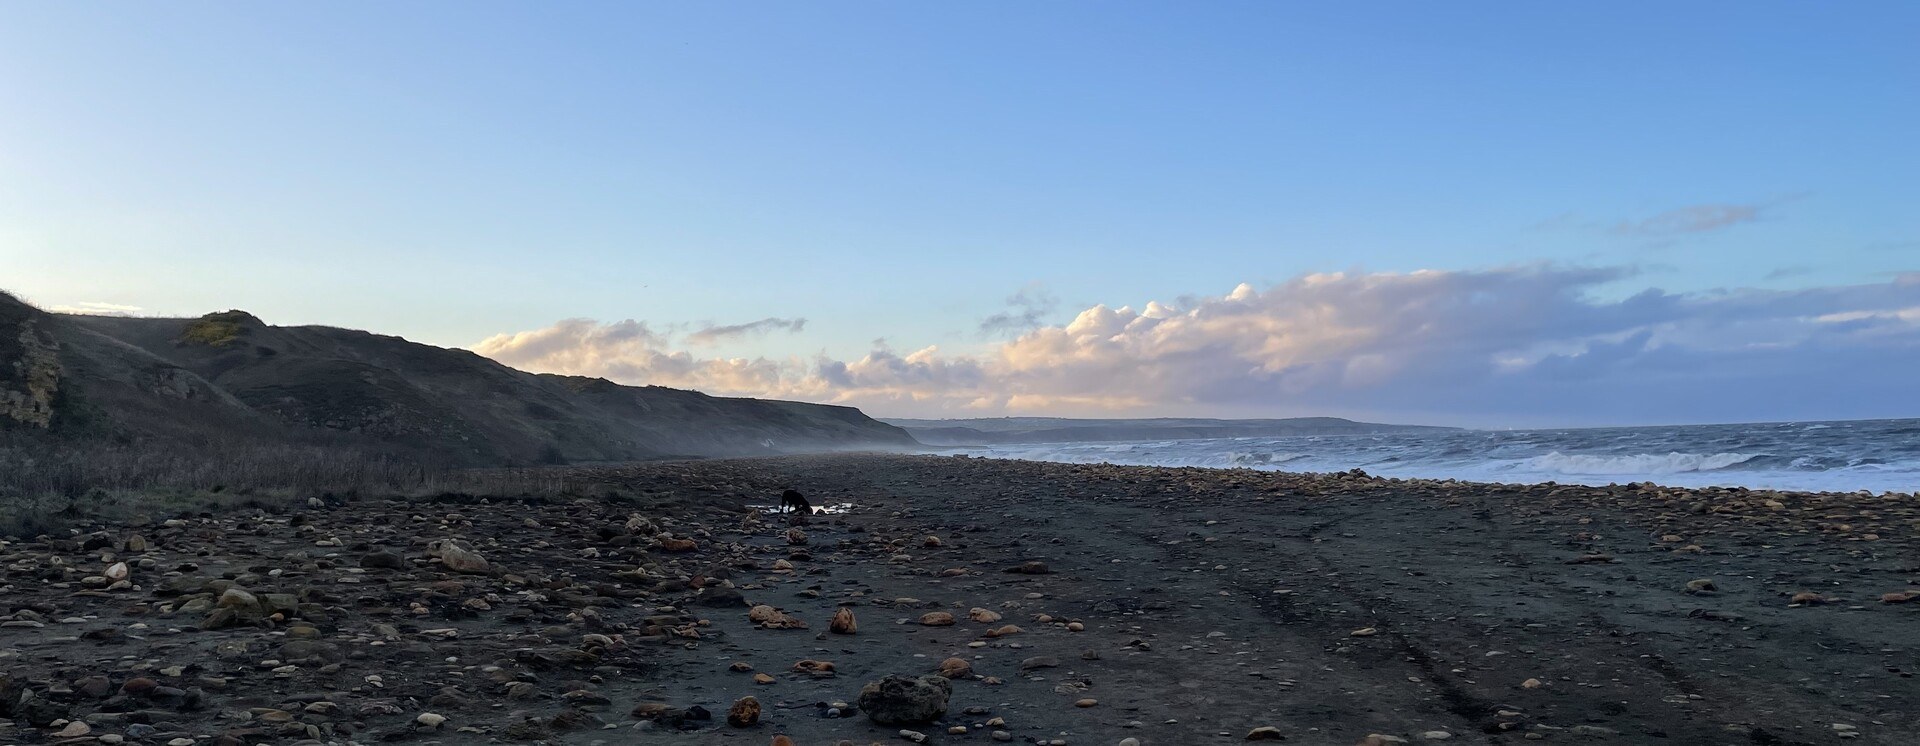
{"x":1572,"y":479}
{"x":1173,"y":605}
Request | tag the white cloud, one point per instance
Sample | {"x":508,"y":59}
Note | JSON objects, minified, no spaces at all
{"x":1523,"y":344}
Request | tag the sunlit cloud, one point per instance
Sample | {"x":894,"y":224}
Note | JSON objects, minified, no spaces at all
{"x":1518,"y":342}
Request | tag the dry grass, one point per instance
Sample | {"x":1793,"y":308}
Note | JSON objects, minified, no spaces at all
{"x":49,"y":487}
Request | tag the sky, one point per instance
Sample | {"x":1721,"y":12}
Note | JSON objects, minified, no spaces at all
{"x":1504,"y":214}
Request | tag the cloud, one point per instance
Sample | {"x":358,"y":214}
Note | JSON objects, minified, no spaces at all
{"x":1516,"y":345}
{"x":715,"y":334}
{"x":630,"y":352}
{"x":1026,"y":309}
{"x":1671,"y":224}
{"x":97,"y":309}
{"x":1689,"y":219}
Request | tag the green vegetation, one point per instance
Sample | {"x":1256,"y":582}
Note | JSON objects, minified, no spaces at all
{"x":217,"y":329}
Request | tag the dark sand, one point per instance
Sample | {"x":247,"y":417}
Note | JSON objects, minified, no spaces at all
{"x":1213,"y":602}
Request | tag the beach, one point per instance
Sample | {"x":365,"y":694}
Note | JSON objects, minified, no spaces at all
{"x":1064,"y":603}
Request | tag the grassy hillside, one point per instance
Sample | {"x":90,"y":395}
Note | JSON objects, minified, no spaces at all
{"x":229,"y":376}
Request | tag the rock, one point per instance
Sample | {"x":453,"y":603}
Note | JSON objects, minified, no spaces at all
{"x":744,"y":713}
{"x":956,"y":668}
{"x":1038,"y":662}
{"x":1807,"y":598}
{"x":678,"y":545}
{"x":74,"y":729}
{"x":782,"y":741}
{"x":719,"y":597}
{"x":1702,"y":585}
{"x":1899,"y":597}
{"x":813,"y":667}
{"x":430,"y":720}
{"x":931,"y":542}
{"x":118,"y":571}
{"x":1085,"y":702}
{"x":1030,"y":568}
{"x":762,"y":679}
{"x":1364,"y":632}
{"x":1004,"y":631}
{"x":1435,"y":735}
{"x":658,"y":712}
{"x":1265,"y":733}
{"x":245,"y":604}
{"x":843,"y":622}
{"x":459,"y":559}
{"x":1532,"y":684}
{"x":936,"y":619}
{"x":914,"y":736}
{"x":796,"y":537}
{"x":983,"y":616}
{"x":771,"y":618}
{"x":898,"y":700}
{"x":383,"y":560}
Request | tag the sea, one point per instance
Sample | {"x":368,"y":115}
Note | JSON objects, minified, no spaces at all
{"x":1846,"y":456}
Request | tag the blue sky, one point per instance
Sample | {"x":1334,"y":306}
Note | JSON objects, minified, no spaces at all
{"x":451,"y":172}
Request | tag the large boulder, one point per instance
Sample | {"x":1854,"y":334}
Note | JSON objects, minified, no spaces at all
{"x":898,"y":700}
{"x":461,"y":559}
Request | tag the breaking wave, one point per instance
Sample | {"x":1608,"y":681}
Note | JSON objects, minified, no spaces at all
{"x":1877,"y":455}
{"x":1637,"y":464}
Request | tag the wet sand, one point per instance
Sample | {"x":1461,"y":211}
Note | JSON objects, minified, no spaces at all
{"x":1172,"y":606}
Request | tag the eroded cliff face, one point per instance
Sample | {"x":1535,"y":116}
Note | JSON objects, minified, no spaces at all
{"x":29,"y":371}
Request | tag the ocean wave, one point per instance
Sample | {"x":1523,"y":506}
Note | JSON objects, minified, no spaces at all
{"x":1639,"y":463}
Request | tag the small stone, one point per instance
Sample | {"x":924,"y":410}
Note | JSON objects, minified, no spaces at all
{"x":744,"y":713}
{"x":983,"y":616}
{"x":936,"y":619}
{"x":1086,"y":702}
{"x":761,"y":678}
{"x":1702,"y":585}
{"x":1364,"y":632}
{"x":1265,"y":733}
{"x":74,"y":729}
{"x":1532,"y":684}
{"x":843,"y":622}
{"x":430,"y":720}
{"x":956,"y":668}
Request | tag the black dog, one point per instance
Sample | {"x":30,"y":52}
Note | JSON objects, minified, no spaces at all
{"x":793,"y":502}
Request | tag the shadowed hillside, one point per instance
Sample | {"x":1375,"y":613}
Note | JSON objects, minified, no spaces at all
{"x":229,"y":375}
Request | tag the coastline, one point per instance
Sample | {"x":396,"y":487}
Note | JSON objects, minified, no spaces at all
{"x":1208,"y":603}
